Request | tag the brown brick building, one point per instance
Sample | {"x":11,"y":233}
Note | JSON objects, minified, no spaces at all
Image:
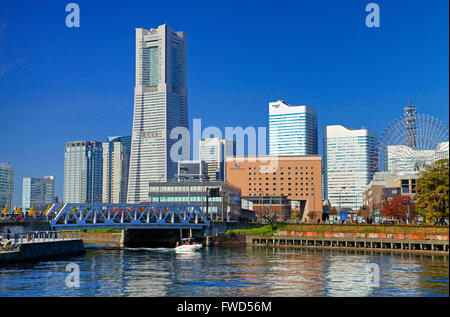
{"x":298,"y":177}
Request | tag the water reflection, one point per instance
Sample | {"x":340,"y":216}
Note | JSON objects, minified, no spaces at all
{"x":251,"y":271}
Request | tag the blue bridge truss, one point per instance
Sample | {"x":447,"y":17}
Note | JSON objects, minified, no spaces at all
{"x":126,"y":216}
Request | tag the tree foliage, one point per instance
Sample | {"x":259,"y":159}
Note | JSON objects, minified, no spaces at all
{"x":397,"y":207}
{"x":432,"y":191}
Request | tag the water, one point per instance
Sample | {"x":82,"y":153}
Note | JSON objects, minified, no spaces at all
{"x":249,"y":271}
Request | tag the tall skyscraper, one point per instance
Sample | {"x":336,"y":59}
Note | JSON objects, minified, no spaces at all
{"x":6,"y":186}
{"x":37,"y":192}
{"x":160,"y":104}
{"x":116,"y":159}
{"x":292,"y":129}
{"x":214,"y":151}
{"x":83,"y":166}
{"x":349,"y":158}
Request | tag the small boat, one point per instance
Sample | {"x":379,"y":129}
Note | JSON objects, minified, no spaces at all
{"x":188,"y":245}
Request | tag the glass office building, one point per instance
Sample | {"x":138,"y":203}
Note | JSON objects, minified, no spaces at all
{"x":83,"y":167}
{"x":349,"y":163}
{"x":292,"y":129}
{"x":6,"y":186}
{"x":225,"y":207}
{"x":116,"y":160}
{"x":38,"y":192}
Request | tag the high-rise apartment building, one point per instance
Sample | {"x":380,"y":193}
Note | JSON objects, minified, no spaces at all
{"x":83,"y":167}
{"x":214,"y":151}
{"x":349,"y":162}
{"x":38,"y":192}
{"x":116,"y":160}
{"x":292,"y":129}
{"x":6,"y":186}
{"x":160,"y":104}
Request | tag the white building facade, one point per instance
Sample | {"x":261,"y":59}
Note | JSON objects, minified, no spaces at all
{"x":292,"y":129}
{"x":442,"y":151}
{"x":214,"y":151}
{"x":349,"y":163}
{"x":404,"y":158}
{"x":160,"y":104}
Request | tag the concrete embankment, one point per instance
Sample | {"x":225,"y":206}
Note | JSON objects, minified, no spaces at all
{"x":432,"y":247}
{"x":110,"y":239}
{"x":38,"y":251}
{"x":226,"y":240}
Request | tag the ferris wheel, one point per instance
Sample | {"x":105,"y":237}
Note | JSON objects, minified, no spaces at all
{"x":409,"y":143}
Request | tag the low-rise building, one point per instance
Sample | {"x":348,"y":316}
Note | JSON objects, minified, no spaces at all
{"x":270,"y":207}
{"x":296,"y":177}
{"x":226,"y":206}
{"x":386,"y":184}
{"x":192,"y":170}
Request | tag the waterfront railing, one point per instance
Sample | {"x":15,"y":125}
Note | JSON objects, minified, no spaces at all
{"x":13,"y":240}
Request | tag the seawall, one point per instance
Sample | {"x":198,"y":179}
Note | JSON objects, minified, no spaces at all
{"x":431,"y":247}
{"x":38,"y":251}
{"x":111,"y":239}
{"x":419,"y":246}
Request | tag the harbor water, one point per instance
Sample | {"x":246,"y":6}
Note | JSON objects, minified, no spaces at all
{"x":234,"y":271}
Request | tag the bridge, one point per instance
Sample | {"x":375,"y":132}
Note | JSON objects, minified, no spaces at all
{"x":126,"y":216}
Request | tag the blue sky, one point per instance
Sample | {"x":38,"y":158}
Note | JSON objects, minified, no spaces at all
{"x":60,"y":84}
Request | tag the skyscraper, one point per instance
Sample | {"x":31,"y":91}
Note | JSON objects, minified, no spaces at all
{"x":116,"y":159}
{"x":83,"y":166}
{"x":6,"y":185}
{"x":160,"y":104}
{"x":38,"y":192}
{"x":292,"y":129}
{"x":214,"y":151}
{"x":349,"y":158}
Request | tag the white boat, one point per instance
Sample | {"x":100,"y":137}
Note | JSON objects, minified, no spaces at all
{"x":188,"y":245}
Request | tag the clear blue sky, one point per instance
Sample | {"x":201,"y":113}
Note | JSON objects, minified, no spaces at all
{"x":60,"y":84}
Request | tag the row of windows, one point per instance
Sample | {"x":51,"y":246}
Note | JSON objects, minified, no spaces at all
{"x":282,"y":194}
{"x":282,"y":168}
{"x":281,"y":189}
{"x":282,"y":173}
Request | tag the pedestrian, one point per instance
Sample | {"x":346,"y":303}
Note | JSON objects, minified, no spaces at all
{"x":8,"y":232}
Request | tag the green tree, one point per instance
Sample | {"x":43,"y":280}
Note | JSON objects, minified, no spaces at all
{"x":432,"y":191}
